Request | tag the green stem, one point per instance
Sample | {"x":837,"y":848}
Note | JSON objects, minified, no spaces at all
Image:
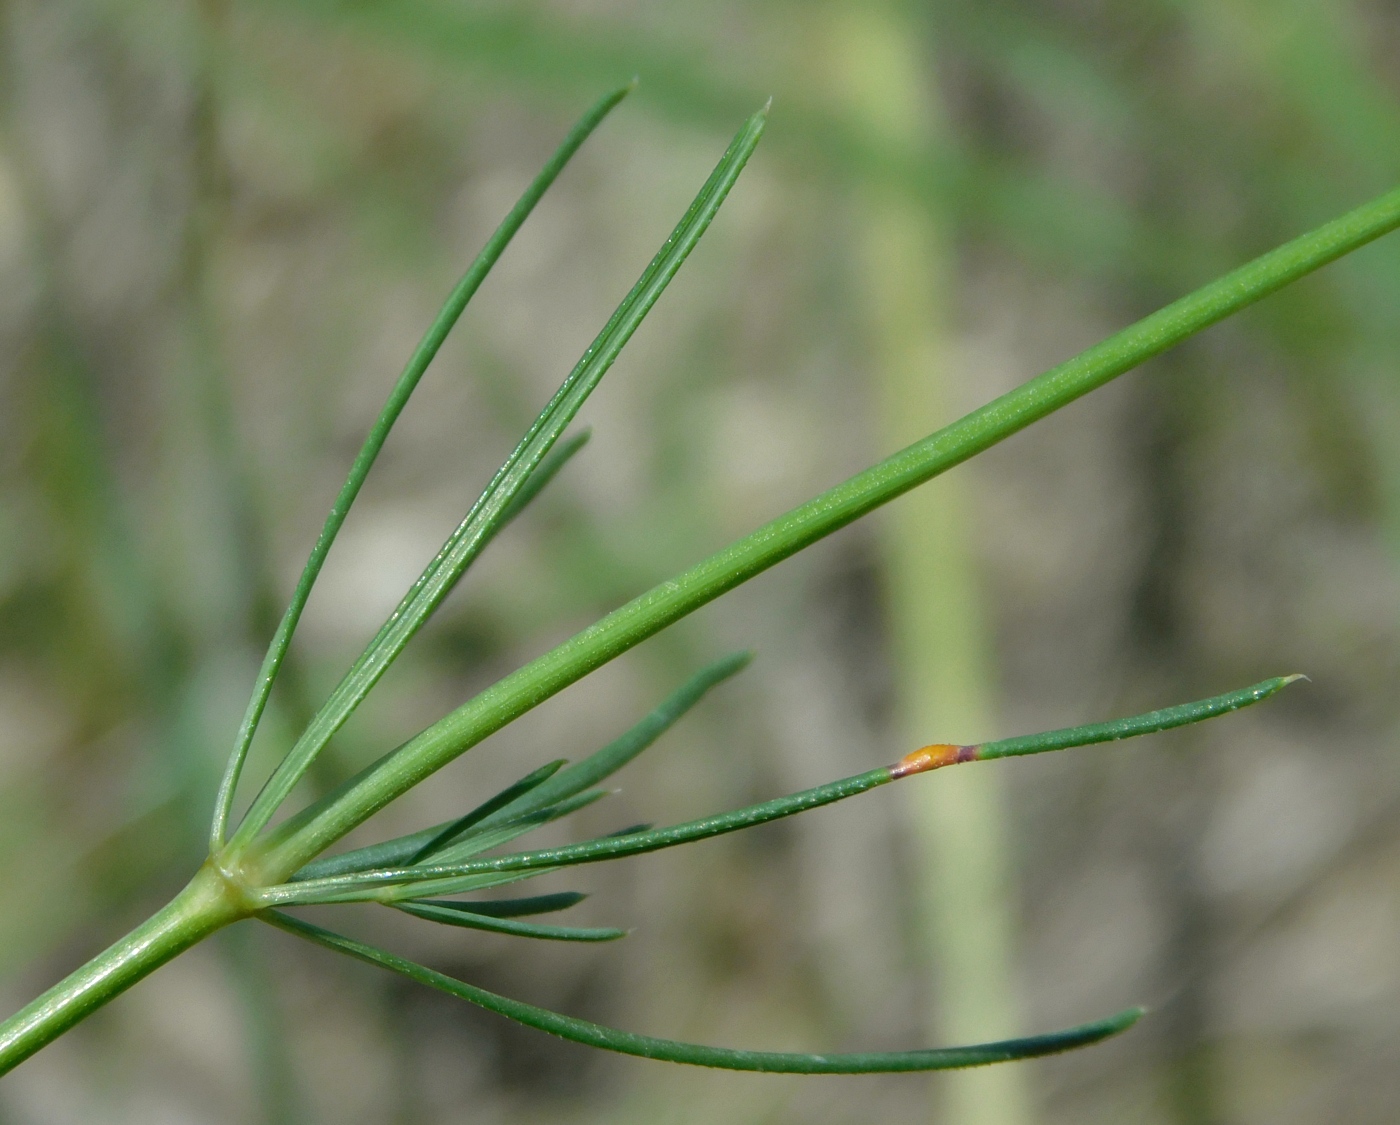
{"x":207,"y":904}
{"x":309,"y":833}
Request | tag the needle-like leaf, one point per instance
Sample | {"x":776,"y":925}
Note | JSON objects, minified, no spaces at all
{"x":374,"y":442}
{"x":388,"y":885}
{"x":404,"y":767}
{"x":671,"y":1050}
{"x":545,"y":472}
{"x":932,"y":757}
{"x":523,"y":907}
{"x":524,"y":797}
{"x":603,"y":763}
{"x":454,"y":831}
{"x":484,"y":519}
{"x":414,"y":847}
{"x":464,"y":914}
{"x":391,"y":884}
{"x":483,"y":838}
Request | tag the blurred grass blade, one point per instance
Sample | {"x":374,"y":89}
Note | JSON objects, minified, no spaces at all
{"x":462,"y":914}
{"x":513,"y":802}
{"x":670,"y":1050}
{"x":484,"y":518}
{"x":445,"y":878}
{"x":423,"y":355}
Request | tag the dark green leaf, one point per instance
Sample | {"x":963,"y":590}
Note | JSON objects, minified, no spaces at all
{"x":605,"y":762}
{"x":520,"y":907}
{"x":462,"y":914}
{"x":544,"y":472}
{"x":670,"y":1050}
{"x":415,"y":846}
{"x":515,"y":801}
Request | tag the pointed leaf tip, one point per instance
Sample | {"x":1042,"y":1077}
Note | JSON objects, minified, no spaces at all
{"x":733,"y":664}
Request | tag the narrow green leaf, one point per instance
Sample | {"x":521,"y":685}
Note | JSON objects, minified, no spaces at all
{"x":670,"y":1050}
{"x":522,"y":907}
{"x":351,"y":888}
{"x":603,"y":763}
{"x":388,"y":884}
{"x":484,"y":518}
{"x":416,"y":846}
{"x":933,"y":757}
{"x":461,"y":914}
{"x":511,"y":803}
{"x":309,"y":889}
{"x":454,"y":831}
{"x":1165,"y":719}
{"x":544,"y":472}
{"x":483,"y":838}
{"x":389,"y":853}
{"x":423,"y":355}
{"x":331,"y":817}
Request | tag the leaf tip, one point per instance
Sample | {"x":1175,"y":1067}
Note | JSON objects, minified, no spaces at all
{"x":737,"y":662}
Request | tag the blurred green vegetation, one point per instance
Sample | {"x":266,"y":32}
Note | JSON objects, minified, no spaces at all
{"x":223,"y":224}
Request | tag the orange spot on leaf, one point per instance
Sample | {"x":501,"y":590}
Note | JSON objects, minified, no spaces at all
{"x":931,"y":758}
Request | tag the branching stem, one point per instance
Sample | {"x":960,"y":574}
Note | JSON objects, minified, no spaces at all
{"x":254,"y":867}
{"x":311,"y":832}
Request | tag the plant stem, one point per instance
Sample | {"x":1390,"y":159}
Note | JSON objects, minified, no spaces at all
{"x":310,"y":832}
{"x":962,"y":879}
{"x":207,"y":904}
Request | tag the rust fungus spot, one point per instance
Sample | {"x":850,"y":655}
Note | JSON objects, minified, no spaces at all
{"x":931,"y":758}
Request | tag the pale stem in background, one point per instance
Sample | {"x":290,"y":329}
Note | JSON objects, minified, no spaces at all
{"x":941,"y":652}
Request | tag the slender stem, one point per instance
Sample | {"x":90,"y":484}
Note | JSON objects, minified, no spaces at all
{"x":205,"y":905}
{"x":312,"y":831}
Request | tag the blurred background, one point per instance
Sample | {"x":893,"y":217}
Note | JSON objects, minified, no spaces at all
{"x":225,"y":223}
